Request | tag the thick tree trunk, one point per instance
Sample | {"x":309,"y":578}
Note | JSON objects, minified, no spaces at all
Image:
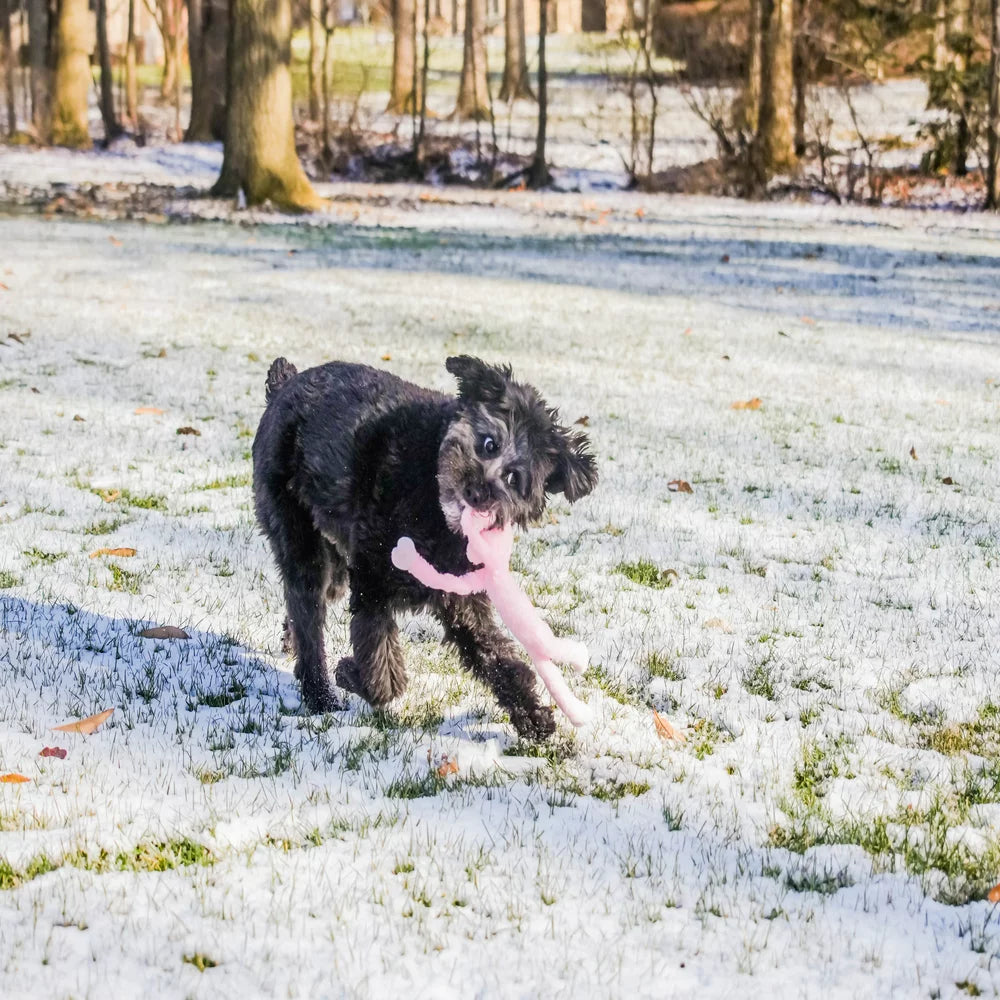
{"x":751,"y":100}
{"x":131,"y":79}
{"x":539,"y":174}
{"x":111,"y":127}
{"x":959,"y":31}
{"x":74,"y":43}
{"x":40,"y":59}
{"x":940,"y":53}
{"x":208,"y":29}
{"x":993,"y":125}
{"x":515,"y":58}
{"x":402,"y":97}
{"x":260,"y":157}
{"x":776,"y":127}
{"x":473,"y":94}
{"x":317,"y":46}
{"x":7,"y":60}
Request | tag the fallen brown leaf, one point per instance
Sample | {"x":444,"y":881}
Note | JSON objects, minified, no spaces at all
{"x":109,"y":496}
{"x":189,"y":430}
{"x":994,"y":894}
{"x":808,"y":319}
{"x":86,"y":726}
{"x":114,"y":241}
{"x":724,"y":258}
{"x":913,"y":453}
{"x":719,"y":623}
{"x":155,"y":411}
{"x":679,"y":486}
{"x":163,"y":353}
{"x":582,"y":421}
{"x":749,"y":404}
{"x":665,"y":730}
{"x":4,"y":287}
{"x":78,"y":419}
{"x":948,"y":481}
{"x":164,"y":632}
{"x":123,"y":552}
{"x":447,"y":766}
{"x":13,"y":779}
{"x":387,"y":356}
{"x":52,"y":752}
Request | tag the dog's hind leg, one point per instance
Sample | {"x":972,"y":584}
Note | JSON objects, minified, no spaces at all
{"x":337,"y":586}
{"x":488,"y":654}
{"x":302,"y":557}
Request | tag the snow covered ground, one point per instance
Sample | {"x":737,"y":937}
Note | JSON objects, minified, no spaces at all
{"x":820,"y":615}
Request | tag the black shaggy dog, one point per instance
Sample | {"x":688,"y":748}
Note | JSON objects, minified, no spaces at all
{"x":347,"y":459}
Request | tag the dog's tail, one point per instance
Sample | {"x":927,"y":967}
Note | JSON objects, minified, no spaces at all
{"x":278,"y":374}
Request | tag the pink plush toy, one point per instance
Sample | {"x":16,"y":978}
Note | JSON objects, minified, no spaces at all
{"x":491,"y":547}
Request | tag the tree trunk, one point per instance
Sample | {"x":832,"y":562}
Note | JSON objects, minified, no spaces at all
{"x":167,"y":29}
{"x":775,"y":127}
{"x":404,"y":57}
{"x":131,"y":79}
{"x":751,"y":100}
{"x":473,"y":96}
{"x":993,"y":125}
{"x":515,"y":59}
{"x":260,"y":157}
{"x":539,"y":174}
{"x":940,"y":53}
{"x":7,"y":59}
{"x":208,"y":29}
{"x":317,"y":49}
{"x":960,"y":38}
{"x":800,"y":70}
{"x":40,"y":59}
{"x":111,"y":127}
{"x":74,"y":43}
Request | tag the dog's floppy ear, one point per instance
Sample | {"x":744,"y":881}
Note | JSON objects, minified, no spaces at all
{"x":479,"y":382}
{"x":575,"y":472}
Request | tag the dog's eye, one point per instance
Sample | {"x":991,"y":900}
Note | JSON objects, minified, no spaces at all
{"x":489,"y":445}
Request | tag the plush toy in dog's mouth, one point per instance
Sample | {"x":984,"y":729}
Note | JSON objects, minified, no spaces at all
{"x":489,"y":548}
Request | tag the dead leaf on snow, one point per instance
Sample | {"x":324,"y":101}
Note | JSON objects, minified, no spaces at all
{"x":155,"y":411}
{"x":164,"y":632}
{"x":13,"y":779}
{"x":913,"y":453}
{"x":52,"y":752}
{"x":748,"y":404}
{"x":86,"y":726}
{"x":948,"y":481}
{"x":109,"y":496}
{"x":122,"y":552}
{"x":994,"y":894}
{"x":582,"y":421}
{"x":665,"y":730}
{"x":679,"y":486}
{"x":189,"y":430}
{"x":447,"y":766}
{"x":78,"y":419}
{"x":718,"y":623}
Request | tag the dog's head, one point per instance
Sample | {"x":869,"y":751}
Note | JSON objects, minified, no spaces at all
{"x":506,"y":449}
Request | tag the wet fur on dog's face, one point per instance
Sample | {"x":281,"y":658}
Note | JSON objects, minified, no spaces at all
{"x":507,"y":450}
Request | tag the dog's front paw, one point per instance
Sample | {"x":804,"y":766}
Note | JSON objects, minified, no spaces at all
{"x":404,"y":555}
{"x":318,"y":699}
{"x":348,"y":676}
{"x":536,"y":724}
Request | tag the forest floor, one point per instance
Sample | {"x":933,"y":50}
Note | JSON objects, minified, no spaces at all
{"x":819,"y":615}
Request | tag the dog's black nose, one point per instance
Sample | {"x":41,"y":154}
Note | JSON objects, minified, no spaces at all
{"x":475,"y":494}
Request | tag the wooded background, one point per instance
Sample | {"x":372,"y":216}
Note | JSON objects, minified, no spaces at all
{"x":746,"y":66}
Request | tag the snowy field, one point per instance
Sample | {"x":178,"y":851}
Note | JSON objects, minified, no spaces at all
{"x":820,"y":615}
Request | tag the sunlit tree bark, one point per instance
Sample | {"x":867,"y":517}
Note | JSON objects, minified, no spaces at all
{"x":776,"y":123}
{"x":515,"y":58}
{"x":208,"y":27}
{"x":260,"y":157}
{"x":993,"y":125}
{"x":74,"y":43}
{"x":473,"y":94}
{"x":403,"y":96}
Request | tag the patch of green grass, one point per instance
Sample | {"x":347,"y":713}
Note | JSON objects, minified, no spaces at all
{"x":374,"y":745}
{"x":705,"y":734}
{"x":36,"y":557}
{"x":647,"y":574}
{"x":662,"y":665}
{"x":200,"y":961}
{"x":219,"y":699}
{"x":981,"y":736}
{"x":613,"y":790}
{"x":8,"y":580}
{"x":237,"y":480}
{"x":825,"y":882}
{"x":150,"y":501}
{"x":124,"y":581}
{"x":416,"y":787}
{"x":612,"y":687}
{"x":759,"y":680}
{"x":558,"y":750}
{"x":105,"y":526}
